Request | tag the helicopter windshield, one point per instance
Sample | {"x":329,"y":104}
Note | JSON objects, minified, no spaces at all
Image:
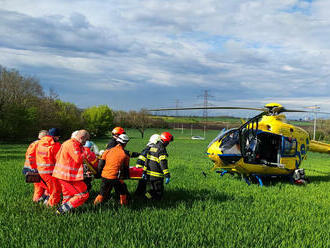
{"x":230,"y":143}
{"x":222,"y":133}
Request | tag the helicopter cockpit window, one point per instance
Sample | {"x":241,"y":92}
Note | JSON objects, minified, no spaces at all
{"x":221,"y":135}
{"x":230,"y":143}
{"x":289,"y":147}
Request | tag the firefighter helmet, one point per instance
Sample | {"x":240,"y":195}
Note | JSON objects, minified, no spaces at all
{"x":123,"y":139}
{"x":118,"y":131}
{"x":166,"y":137}
{"x":154,"y":139}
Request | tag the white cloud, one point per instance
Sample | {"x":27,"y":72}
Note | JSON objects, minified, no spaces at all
{"x":271,"y":49}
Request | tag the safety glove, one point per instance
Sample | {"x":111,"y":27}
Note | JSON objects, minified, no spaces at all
{"x":167,"y":180}
{"x":134,"y":154}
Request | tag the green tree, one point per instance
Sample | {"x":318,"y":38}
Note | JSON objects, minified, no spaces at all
{"x":25,"y":108}
{"x":98,"y":119}
{"x":19,"y":101}
{"x":67,"y":117}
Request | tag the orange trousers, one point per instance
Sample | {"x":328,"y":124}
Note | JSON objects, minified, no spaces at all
{"x":74,"y":192}
{"x":40,"y":189}
{"x":53,"y":188}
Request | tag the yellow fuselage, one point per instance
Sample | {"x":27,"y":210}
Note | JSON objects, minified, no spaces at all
{"x":274,"y":124}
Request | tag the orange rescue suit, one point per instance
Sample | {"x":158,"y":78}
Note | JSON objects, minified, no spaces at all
{"x":46,"y":152}
{"x":69,"y":170}
{"x":114,"y":158}
{"x":30,"y":164}
{"x":30,"y":156}
{"x":69,"y":164}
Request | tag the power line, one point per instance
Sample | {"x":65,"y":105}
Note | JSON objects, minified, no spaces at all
{"x":206,"y":97}
{"x":177,"y":106}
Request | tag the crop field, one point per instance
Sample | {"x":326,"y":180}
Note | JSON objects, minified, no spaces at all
{"x":197,"y":119}
{"x":198,"y":209}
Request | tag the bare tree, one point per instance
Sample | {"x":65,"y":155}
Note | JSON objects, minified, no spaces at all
{"x":140,"y":120}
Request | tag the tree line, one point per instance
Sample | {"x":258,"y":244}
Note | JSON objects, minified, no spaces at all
{"x":25,"y":108}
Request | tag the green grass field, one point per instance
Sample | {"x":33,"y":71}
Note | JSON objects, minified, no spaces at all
{"x":196,"y":211}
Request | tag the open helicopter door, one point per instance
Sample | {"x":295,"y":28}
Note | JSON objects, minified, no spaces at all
{"x":259,"y":147}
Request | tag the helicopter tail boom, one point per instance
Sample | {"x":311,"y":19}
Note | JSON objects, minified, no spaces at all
{"x":316,"y":146}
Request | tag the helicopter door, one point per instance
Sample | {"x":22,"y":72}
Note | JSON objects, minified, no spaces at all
{"x":269,"y":148}
{"x":260,"y":147}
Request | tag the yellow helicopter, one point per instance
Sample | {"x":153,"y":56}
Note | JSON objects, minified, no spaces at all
{"x":265,"y":145}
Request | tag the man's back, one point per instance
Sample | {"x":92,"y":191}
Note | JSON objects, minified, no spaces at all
{"x":46,"y":152}
{"x":114,"y":159}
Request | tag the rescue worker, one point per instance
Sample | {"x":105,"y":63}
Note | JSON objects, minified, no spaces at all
{"x":30,"y":165}
{"x":91,"y":158}
{"x":140,"y":163}
{"x":116,"y":162}
{"x":113,"y":142}
{"x":69,"y":170}
{"x":46,"y":151}
{"x":156,"y":169}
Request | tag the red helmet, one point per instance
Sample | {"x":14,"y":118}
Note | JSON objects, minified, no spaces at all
{"x":166,"y":137}
{"x":118,"y":131}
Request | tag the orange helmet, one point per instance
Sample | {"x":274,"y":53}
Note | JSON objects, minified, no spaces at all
{"x":118,"y":131}
{"x":166,"y":137}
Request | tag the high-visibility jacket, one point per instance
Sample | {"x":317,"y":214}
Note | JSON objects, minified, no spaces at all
{"x":30,"y":157}
{"x":142,"y":158}
{"x":115,"y":160}
{"x":156,"y":162}
{"x":46,"y":152}
{"x":91,"y":157}
{"x":69,"y":161}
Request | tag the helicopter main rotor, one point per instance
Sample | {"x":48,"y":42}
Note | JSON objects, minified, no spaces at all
{"x":270,"y":108}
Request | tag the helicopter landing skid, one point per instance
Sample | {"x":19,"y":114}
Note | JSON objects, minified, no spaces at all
{"x":259,"y":178}
{"x":248,"y":179}
{"x":223,"y":172}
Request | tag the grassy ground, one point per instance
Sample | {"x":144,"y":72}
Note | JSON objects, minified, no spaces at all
{"x":197,"y":211}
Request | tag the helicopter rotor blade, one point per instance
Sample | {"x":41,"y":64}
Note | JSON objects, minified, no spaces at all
{"x":292,"y":110}
{"x":199,"y":108}
{"x":301,"y":111}
{"x":266,"y":110}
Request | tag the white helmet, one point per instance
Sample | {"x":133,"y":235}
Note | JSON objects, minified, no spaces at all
{"x":123,"y":139}
{"x":153,"y":139}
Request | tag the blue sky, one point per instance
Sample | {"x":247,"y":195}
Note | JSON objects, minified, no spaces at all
{"x":145,"y":54}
